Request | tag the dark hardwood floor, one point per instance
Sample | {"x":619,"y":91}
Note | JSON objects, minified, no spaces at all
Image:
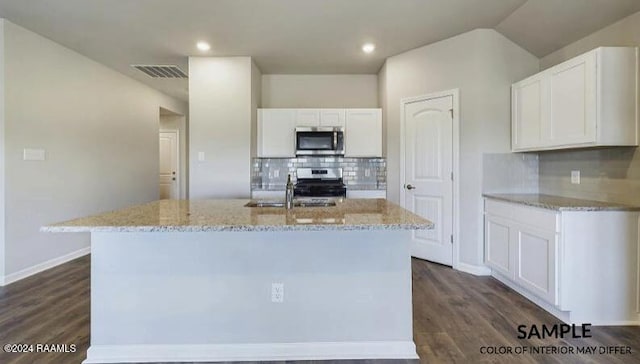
{"x":455,"y":315}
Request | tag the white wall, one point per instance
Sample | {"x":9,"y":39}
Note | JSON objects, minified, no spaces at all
{"x":256,"y":102}
{"x":482,"y":64}
{"x":220,"y":115}
{"x":170,"y":122}
{"x":2,"y":155}
{"x":323,"y":91}
{"x":382,"y":100}
{"x":100,"y":132}
{"x":624,"y":33}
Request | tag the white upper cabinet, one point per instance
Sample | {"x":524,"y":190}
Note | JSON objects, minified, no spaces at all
{"x":363,"y":133}
{"x":320,"y":117}
{"x":276,"y":130}
{"x":332,"y":118}
{"x":588,"y":101}
{"x":527,"y":112}
{"x":276,"y":133}
{"x":308,"y":117}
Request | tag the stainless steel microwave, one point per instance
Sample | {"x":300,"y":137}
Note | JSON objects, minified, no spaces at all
{"x":319,"y":141}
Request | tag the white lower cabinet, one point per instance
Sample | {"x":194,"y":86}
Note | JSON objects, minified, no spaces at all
{"x":498,"y":246}
{"x":581,"y":266}
{"x":535,"y":262}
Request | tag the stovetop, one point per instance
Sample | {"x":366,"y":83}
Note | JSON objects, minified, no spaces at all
{"x":320,"y":182}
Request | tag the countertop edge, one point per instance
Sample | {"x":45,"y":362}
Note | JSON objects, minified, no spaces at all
{"x":230,"y":228}
{"x":556,"y":207}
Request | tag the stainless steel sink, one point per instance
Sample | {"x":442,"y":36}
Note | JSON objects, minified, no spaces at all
{"x":312,"y":203}
{"x":258,"y":203}
{"x":300,"y":203}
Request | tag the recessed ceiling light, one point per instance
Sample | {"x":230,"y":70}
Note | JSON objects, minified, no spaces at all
{"x":203,"y":46}
{"x":368,"y":48}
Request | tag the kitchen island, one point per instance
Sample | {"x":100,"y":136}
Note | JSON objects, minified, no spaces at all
{"x":213,"y":280}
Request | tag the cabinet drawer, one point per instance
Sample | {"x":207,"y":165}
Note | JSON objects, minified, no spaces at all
{"x":536,"y":217}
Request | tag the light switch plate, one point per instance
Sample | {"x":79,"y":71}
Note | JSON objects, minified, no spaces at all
{"x":29,"y":154}
{"x":200,"y":156}
{"x":575,"y":177}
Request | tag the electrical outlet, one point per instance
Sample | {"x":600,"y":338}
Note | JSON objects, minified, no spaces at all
{"x":277,"y":292}
{"x":276,"y":173}
{"x":33,"y":154}
{"x":575,"y":177}
{"x":367,"y":172}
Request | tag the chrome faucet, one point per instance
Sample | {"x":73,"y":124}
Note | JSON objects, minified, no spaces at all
{"x":288,"y":204}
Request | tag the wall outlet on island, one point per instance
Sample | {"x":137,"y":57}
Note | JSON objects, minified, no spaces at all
{"x":575,"y":177}
{"x":277,"y":292}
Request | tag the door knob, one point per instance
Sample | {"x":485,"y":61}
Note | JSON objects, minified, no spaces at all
{"x":409,"y":187}
{"x":174,"y":178}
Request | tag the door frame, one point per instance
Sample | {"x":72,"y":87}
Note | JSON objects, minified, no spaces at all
{"x":455,"y":94}
{"x":178,"y":170}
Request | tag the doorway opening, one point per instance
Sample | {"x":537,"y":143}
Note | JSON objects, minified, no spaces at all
{"x":172,"y":155}
{"x":429,"y":142}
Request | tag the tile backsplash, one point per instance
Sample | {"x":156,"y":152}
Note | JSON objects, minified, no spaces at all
{"x":358,"y":173}
{"x":606,"y":174}
{"x":510,"y":173}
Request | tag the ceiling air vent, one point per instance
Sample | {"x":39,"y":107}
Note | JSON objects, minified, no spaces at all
{"x":161,"y":71}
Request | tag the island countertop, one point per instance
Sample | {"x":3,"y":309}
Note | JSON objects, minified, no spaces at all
{"x":232,"y":215}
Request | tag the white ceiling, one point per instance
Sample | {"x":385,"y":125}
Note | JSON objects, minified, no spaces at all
{"x":297,"y":36}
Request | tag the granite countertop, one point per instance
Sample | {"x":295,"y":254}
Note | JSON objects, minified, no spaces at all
{"x":232,"y":215}
{"x":560,"y":203}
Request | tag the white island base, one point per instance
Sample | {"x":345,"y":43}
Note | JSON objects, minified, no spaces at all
{"x":207,"y":296}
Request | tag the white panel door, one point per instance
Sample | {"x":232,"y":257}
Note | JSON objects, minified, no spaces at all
{"x":332,"y":117}
{"x":363,"y":133}
{"x":573,"y":102}
{"x":428,"y":142}
{"x":276,"y":133}
{"x":308,"y":117}
{"x":168,"y":165}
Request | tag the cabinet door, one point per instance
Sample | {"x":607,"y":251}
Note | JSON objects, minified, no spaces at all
{"x":498,"y":250}
{"x":332,"y":117}
{"x":363,"y":133}
{"x":536,"y":262}
{"x":528,"y":113}
{"x":276,"y":133}
{"x":308,"y":117}
{"x":573,"y":102}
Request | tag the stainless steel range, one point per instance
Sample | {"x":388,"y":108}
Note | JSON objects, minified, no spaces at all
{"x":319,"y":182}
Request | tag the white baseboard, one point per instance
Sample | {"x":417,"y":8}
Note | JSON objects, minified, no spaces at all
{"x":564,"y":316}
{"x":251,"y":352}
{"x":27,"y":272}
{"x":476,"y":270}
